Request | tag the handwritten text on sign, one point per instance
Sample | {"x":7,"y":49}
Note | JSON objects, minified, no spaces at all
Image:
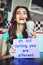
{"x":26,"y":48}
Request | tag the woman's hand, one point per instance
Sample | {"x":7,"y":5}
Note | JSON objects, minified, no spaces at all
{"x":34,"y":33}
{"x":12,"y":50}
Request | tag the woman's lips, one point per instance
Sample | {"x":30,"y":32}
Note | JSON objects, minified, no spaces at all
{"x":21,"y":18}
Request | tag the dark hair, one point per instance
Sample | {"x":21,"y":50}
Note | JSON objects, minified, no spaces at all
{"x":13,"y":27}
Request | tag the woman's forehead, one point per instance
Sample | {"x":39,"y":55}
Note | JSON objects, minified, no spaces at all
{"x":21,"y":9}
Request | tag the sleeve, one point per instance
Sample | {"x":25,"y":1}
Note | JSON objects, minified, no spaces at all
{"x":5,"y":36}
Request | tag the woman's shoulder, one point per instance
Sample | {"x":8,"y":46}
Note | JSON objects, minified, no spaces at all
{"x":5,"y":36}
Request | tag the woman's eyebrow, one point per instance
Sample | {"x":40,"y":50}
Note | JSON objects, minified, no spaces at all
{"x":20,"y":11}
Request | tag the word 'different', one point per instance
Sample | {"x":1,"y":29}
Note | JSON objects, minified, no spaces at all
{"x":20,"y":55}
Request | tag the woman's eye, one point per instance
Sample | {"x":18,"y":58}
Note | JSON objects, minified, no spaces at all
{"x":25,"y":13}
{"x":18,"y":13}
{"x":21,"y":13}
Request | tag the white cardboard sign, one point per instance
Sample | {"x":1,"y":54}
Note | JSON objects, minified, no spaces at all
{"x":26,"y":48}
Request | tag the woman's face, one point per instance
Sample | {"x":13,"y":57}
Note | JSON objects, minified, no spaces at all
{"x":21,"y":15}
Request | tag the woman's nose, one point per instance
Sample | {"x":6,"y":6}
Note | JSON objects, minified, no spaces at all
{"x":21,"y":14}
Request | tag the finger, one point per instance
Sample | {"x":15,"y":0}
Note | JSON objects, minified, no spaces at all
{"x":13,"y":49}
{"x":12,"y":52}
{"x":12,"y":45}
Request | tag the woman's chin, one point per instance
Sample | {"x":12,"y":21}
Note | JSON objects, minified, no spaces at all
{"x":21,"y":23}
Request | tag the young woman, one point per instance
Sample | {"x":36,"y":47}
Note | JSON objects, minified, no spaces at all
{"x":17,"y":29}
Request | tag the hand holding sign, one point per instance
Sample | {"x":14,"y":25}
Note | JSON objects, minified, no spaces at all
{"x":26,"y":48}
{"x":12,"y":50}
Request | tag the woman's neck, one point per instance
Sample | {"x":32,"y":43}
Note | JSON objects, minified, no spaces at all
{"x":19,"y":29}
